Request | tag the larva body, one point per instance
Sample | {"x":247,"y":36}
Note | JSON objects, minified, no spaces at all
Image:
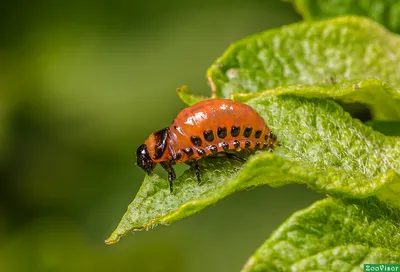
{"x":210,"y":127}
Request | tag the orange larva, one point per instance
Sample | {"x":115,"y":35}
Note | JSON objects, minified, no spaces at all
{"x":211,"y":127}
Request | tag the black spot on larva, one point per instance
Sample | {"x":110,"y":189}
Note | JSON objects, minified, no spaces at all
{"x":266,"y":137}
{"x":235,"y":131}
{"x":224,"y":145}
{"x":266,"y":145}
{"x":178,"y":155}
{"x":258,"y":134}
{"x":236,"y":143}
{"x":247,"y":132}
{"x":208,"y":135}
{"x":213,"y":149}
{"x":196,"y":140}
{"x":222,"y":132}
{"x":272,"y":136}
{"x":247,"y":144}
{"x":201,"y":152}
{"x":188,"y":151}
{"x":257,"y":145}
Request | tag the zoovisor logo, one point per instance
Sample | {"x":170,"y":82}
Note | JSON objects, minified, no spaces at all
{"x":381,"y":267}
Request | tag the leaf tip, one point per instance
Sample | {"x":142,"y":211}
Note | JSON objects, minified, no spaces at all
{"x":113,"y":239}
{"x":187,"y":97}
{"x":184,"y":89}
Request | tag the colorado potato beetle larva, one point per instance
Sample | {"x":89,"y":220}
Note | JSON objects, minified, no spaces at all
{"x":211,"y":127}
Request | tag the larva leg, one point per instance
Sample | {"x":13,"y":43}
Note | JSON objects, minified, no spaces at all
{"x":196,"y":167}
{"x":171,"y":173}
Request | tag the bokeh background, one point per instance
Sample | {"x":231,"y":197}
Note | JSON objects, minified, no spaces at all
{"x":82,"y":84}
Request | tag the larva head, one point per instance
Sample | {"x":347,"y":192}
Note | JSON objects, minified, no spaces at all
{"x":144,"y":160}
{"x":152,"y":151}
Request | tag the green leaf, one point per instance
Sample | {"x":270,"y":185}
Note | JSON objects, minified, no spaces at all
{"x":321,"y":146}
{"x":381,"y":98}
{"x":320,"y":54}
{"x":185,"y":95}
{"x":301,"y":67}
{"x":385,"y":12}
{"x":332,"y":236}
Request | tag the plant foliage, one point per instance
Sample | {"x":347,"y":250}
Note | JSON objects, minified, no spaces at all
{"x":296,"y":78}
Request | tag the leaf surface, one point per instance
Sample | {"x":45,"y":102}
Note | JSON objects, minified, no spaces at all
{"x":321,"y":146}
{"x":332,"y":235}
{"x":291,"y":77}
{"x":319,"y":54}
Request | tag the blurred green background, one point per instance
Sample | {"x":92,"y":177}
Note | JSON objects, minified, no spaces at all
{"x":82,"y":84}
